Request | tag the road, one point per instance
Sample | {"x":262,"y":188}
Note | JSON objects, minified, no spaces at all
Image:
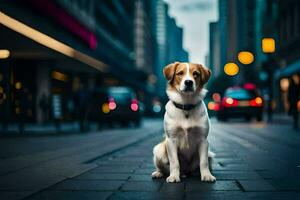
{"x":253,"y":161}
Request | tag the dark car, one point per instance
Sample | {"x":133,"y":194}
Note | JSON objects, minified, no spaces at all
{"x":115,"y":104}
{"x":241,"y":102}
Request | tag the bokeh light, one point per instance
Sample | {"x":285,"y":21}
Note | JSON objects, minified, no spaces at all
{"x":18,"y":85}
{"x":156,"y":108}
{"x":284,"y":84}
{"x":229,"y":101}
{"x":134,"y":106}
{"x":258,"y":100}
{"x":112,"y":105}
{"x":105,"y":108}
{"x":4,"y":53}
{"x":231,"y":69}
{"x":216,"y":97}
{"x":246,"y":57}
{"x":268,"y":45}
{"x":213,"y":106}
{"x":59,"y":76}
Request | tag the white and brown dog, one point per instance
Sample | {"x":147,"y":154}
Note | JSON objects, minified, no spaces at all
{"x":186,"y":124}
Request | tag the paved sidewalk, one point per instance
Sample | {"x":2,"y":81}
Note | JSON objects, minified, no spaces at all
{"x":31,"y":164}
{"x":126,"y":175}
{"x":253,"y":161}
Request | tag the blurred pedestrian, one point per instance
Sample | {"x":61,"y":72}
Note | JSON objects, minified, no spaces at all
{"x":80,"y":100}
{"x":293,"y":98}
{"x":44,"y":105}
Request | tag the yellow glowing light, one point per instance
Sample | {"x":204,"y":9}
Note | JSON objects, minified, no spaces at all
{"x":1,"y":94}
{"x":268,"y":45}
{"x":59,"y":76}
{"x":231,"y":69}
{"x":18,"y":85}
{"x":4,"y":53}
{"x":298,"y":105}
{"x":284,"y":84}
{"x":105,"y":108}
{"x":246,"y":57}
{"x":258,"y":100}
{"x":50,"y":42}
{"x":211,"y":105}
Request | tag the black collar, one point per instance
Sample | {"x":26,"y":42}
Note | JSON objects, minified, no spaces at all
{"x":186,"y":107}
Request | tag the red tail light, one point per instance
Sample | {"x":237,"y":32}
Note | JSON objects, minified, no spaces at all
{"x":134,"y":105}
{"x":213,"y":106}
{"x":111,"y":103}
{"x":229,"y":102}
{"x":257,"y":102}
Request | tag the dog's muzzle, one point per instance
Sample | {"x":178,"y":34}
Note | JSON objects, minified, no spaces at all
{"x":188,"y":86}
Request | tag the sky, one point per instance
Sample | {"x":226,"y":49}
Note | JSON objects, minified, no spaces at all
{"x":194,"y":16}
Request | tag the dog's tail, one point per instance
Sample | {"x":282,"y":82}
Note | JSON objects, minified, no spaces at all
{"x":211,"y":154}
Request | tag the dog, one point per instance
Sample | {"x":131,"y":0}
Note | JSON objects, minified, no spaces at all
{"x":186,"y":125}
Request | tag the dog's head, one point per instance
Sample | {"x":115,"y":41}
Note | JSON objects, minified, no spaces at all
{"x":186,"y":78}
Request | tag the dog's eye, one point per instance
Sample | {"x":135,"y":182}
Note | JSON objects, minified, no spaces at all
{"x":196,"y":74}
{"x":180,"y":73}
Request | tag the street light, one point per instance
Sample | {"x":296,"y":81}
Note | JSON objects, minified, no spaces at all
{"x":245,"y":57}
{"x":268,"y":45}
{"x":231,"y":69}
{"x":4,"y":53}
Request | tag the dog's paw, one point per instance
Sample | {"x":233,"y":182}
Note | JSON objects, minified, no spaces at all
{"x":206,"y":176}
{"x":157,"y":174}
{"x":173,"y":179}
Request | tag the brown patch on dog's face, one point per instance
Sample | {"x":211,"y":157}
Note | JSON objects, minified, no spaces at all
{"x":204,"y":75}
{"x":178,"y":73}
{"x":169,"y":71}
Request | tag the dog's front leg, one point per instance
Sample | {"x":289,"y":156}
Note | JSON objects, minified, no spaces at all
{"x":204,"y":169}
{"x":172,"y":148}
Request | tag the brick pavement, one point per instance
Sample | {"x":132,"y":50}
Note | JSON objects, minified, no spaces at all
{"x":125,"y":174}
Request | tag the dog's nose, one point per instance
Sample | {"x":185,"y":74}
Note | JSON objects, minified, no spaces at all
{"x":188,"y":83}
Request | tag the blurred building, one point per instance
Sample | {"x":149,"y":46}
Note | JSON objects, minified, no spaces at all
{"x":239,"y":28}
{"x":286,"y":23}
{"x":144,"y":37}
{"x":214,"y":49}
{"x":59,"y":47}
{"x":169,"y":40}
{"x":176,"y":52}
{"x":288,"y":38}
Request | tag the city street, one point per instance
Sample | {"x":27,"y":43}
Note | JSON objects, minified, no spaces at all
{"x":84,"y":85}
{"x":253,"y":161}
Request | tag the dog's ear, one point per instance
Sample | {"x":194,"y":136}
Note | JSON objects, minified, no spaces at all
{"x":169,"y":71}
{"x":205,"y":73}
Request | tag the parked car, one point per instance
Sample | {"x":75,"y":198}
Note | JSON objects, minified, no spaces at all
{"x":115,"y":104}
{"x":241,"y":102}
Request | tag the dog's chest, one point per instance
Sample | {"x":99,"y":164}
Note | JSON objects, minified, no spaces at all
{"x":176,"y":120}
{"x":187,"y":131}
